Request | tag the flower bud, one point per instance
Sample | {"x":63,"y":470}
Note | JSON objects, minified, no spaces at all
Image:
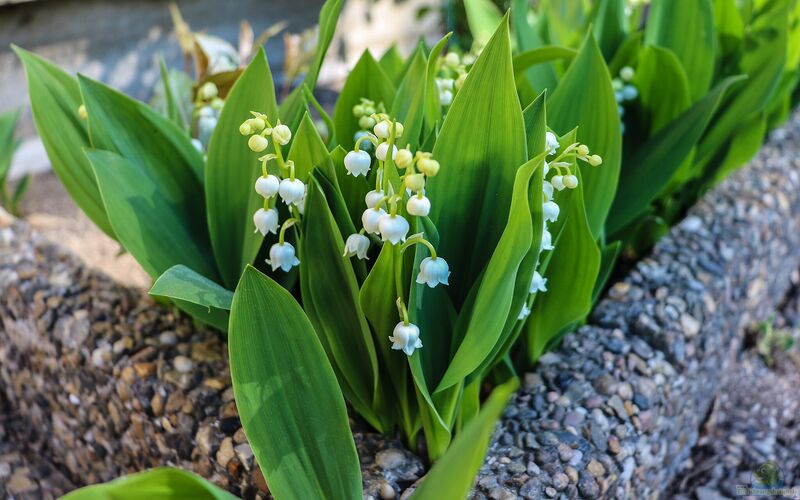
{"x":524,"y":313}
{"x":452,"y":59}
{"x":626,"y":73}
{"x":582,"y":150}
{"x":415,"y":182}
{"x":446,"y":97}
{"x":282,"y":134}
{"x":538,"y":284}
{"x":366,"y":122}
{"x":393,"y":228}
{"x":551,"y":143}
{"x":82,"y":112}
{"x":547,"y":241}
{"x":428,"y":166}
{"x":207,"y":91}
{"x":383,"y":148}
{"x":382,"y":129}
{"x":547,"y":190}
{"x":197,"y":144}
{"x":403,"y":158}
{"x":405,"y":337}
{"x":373,"y":197}
{"x":444,"y":84}
{"x":282,"y":255}
{"x":267,"y":186}
{"x":256,"y":124}
{"x":291,"y":191}
{"x":257,"y":143}
{"x":419,"y":206}
{"x":629,"y":93}
{"x":558,"y":182}
{"x":570,"y":181}
{"x":245,"y":128}
{"x":370,"y":218}
{"x":356,"y":244}
{"x":433,"y":271}
{"x":357,"y":163}
{"x":398,"y":129}
{"x":595,"y":160}
{"x":358,"y":110}
{"x":266,"y":221}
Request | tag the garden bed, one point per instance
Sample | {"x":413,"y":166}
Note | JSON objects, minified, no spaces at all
{"x":112,"y":383}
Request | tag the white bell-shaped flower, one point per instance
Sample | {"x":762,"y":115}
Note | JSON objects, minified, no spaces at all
{"x":547,"y":241}
{"x":370,"y":218}
{"x":433,"y":271}
{"x":282,"y":134}
{"x":292,"y":191}
{"x":393,"y":228}
{"x":446,"y":97}
{"x":558,"y":182}
{"x":301,"y":203}
{"x":382,"y":129}
{"x":538,"y":283}
{"x":546,"y":169}
{"x":382,"y":149}
{"x":373,"y":197}
{"x":266,"y":221}
{"x":356,"y":244}
{"x":268,"y":186}
{"x":547,"y":190}
{"x":357,"y":163}
{"x":405,"y":337}
{"x":551,"y":211}
{"x":419,"y":205}
{"x":551,"y":143}
{"x":282,"y":255}
{"x":525,"y":312}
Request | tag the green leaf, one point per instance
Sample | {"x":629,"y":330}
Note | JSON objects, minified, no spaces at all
{"x":650,"y":168}
{"x":608,"y":259}
{"x":8,"y":124}
{"x":663,"y":88}
{"x":571,"y":274}
{"x":528,"y":38}
{"x":292,"y":107}
{"x":526,"y":60}
{"x":233,"y":169}
{"x":610,"y":29}
{"x":157,"y":484}
{"x":330,"y":288}
{"x":762,"y":61}
{"x":366,"y":80}
{"x":149,"y":225}
{"x":483,"y":16}
{"x":174,"y":111}
{"x":729,"y":25}
{"x":286,"y":392}
{"x":594,"y":110}
{"x":308,"y":151}
{"x":686,"y":27}
{"x":483,"y":128}
{"x":55,"y":99}
{"x":392,"y":63}
{"x":179,"y":283}
{"x":744,"y":145}
{"x":453,"y":475}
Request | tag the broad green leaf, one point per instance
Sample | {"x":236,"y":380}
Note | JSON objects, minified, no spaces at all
{"x":649,"y":169}
{"x":497,"y":286}
{"x":392,"y":63}
{"x":528,"y":38}
{"x":292,"y":107}
{"x":483,"y":16}
{"x":608,"y":260}
{"x":526,"y":60}
{"x":308,"y":151}
{"x":156,"y":484}
{"x":609,"y":26}
{"x":174,"y":111}
{"x":330,"y":287}
{"x":564,"y":21}
{"x":762,"y":61}
{"x":571,"y":274}
{"x":663,"y":89}
{"x":8,"y":124}
{"x":686,"y":27}
{"x":208,"y":301}
{"x":149,"y":225}
{"x":232,"y":169}
{"x":744,"y":145}
{"x":729,"y":25}
{"x":323,"y":114}
{"x":453,"y":475}
{"x":480,"y":147}
{"x":290,"y":405}
{"x":366,"y":80}
{"x":55,"y":99}
{"x":593,"y":109}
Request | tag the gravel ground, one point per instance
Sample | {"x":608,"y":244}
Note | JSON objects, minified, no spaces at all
{"x":112,"y":383}
{"x":755,"y":416}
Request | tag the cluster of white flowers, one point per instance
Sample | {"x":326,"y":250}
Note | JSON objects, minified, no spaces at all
{"x":270,"y":186}
{"x":365,"y":111}
{"x":450,"y":77}
{"x":562,"y":178}
{"x":383,"y":218}
{"x":207,"y":107}
{"x":624,"y":90}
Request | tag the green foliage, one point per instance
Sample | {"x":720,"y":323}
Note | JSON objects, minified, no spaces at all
{"x":8,"y":123}
{"x":156,"y":484}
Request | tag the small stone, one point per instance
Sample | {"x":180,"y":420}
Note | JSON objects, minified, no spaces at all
{"x":616,"y":404}
{"x":625,"y":391}
{"x":225,"y":452}
{"x":183,"y":364}
{"x":613,"y":445}
{"x":691,"y":327}
{"x":572,"y":473}
{"x":168,"y":338}
{"x":144,"y":370}
{"x":595,"y":468}
{"x":565,"y":452}
{"x":386,"y":491}
{"x":560,"y":481}
{"x":244,"y":452}
{"x":551,"y":492}
{"x":122,"y":345}
{"x":20,"y":483}
{"x":390,"y":458}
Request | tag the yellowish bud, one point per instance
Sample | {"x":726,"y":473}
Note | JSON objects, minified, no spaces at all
{"x":403,"y":158}
{"x":245,"y":128}
{"x":207,"y":91}
{"x":428,"y":166}
{"x":415,"y":182}
{"x":452,"y":59}
{"x":82,"y":112}
{"x":595,"y":160}
{"x":257,"y":124}
{"x":282,"y":134}
{"x":583,"y":150}
{"x":257,"y":143}
{"x":366,"y":122}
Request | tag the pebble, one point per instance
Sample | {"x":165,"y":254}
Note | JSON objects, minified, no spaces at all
{"x":183,"y":364}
